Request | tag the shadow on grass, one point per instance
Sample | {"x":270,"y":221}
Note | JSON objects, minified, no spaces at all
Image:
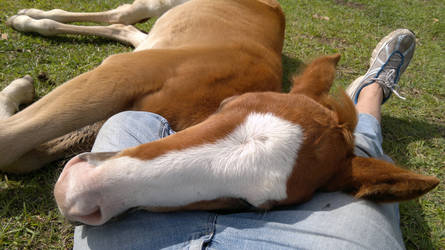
{"x":75,"y":39}
{"x":291,"y":66}
{"x":416,"y":231}
{"x":398,"y":134}
{"x":28,"y":194}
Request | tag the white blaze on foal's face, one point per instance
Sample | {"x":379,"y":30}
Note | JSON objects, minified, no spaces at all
{"x":253,"y":162}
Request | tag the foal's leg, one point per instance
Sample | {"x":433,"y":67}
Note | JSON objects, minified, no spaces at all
{"x":123,"y":33}
{"x":125,"y":14}
{"x":66,"y":146}
{"x":21,"y":91}
{"x":112,"y":87}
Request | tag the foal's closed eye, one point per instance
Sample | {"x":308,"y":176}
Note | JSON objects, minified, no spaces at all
{"x":227,"y":100}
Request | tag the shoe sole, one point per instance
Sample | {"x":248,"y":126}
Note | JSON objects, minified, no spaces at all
{"x":386,"y":40}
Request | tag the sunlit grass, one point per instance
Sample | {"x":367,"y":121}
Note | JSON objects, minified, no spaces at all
{"x":414,"y":130}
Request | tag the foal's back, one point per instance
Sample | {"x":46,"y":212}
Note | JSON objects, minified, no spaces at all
{"x":218,"y":49}
{"x":219,"y":23}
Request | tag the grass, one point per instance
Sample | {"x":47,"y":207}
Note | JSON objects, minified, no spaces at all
{"x":414,"y":130}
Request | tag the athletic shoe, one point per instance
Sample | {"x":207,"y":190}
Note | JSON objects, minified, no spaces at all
{"x":388,"y":61}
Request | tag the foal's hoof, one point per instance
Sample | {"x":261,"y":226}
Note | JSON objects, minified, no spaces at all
{"x":22,"y":12}
{"x":11,"y":20}
{"x":21,"y":90}
{"x":35,"y":13}
{"x":26,"y":86}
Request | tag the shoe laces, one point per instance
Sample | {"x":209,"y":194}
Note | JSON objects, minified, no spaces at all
{"x":387,"y":81}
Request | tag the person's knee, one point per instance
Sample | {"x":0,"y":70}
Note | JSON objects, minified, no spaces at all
{"x":129,"y":129}
{"x":129,"y":119}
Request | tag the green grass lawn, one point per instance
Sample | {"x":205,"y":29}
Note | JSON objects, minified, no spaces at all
{"x":414,"y":130}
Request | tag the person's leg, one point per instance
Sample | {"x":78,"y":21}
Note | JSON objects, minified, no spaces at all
{"x":141,"y":229}
{"x":129,"y":129}
{"x":369,"y":101}
{"x":389,"y":60}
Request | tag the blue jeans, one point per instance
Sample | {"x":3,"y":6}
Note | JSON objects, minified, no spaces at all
{"x":328,"y":221}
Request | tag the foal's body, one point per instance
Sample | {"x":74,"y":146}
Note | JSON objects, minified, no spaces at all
{"x":194,"y":57}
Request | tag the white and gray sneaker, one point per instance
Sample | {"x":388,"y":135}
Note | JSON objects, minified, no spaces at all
{"x":388,"y":61}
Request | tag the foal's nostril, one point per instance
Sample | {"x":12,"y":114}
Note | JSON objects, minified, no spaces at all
{"x":92,"y":218}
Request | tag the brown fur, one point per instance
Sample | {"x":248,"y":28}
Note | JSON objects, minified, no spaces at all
{"x":378,"y":180}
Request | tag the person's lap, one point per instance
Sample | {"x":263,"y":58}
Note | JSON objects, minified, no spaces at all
{"x":328,"y":221}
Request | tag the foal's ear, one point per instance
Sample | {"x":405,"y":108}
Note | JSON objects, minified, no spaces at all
{"x":317,"y":78}
{"x":384,"y":182}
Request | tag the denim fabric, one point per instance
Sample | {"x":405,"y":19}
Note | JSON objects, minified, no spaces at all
{"x":328,"y":221}
{"x":129,"y":129}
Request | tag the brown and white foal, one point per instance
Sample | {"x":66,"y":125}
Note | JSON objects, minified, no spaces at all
{"x":195,"y":68}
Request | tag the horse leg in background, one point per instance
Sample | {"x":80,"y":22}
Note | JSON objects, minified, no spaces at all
{"x":138,"y":11}
{"x":126,"y":34}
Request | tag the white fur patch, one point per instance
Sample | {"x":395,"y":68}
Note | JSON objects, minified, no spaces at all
{"x":254,"y":162}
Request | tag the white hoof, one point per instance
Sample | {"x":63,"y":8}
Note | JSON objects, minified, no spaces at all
{"x":20,"y":91}
{"x":34,"y":13}
{"x":10,"y":21}
{"x":22,"y":12}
